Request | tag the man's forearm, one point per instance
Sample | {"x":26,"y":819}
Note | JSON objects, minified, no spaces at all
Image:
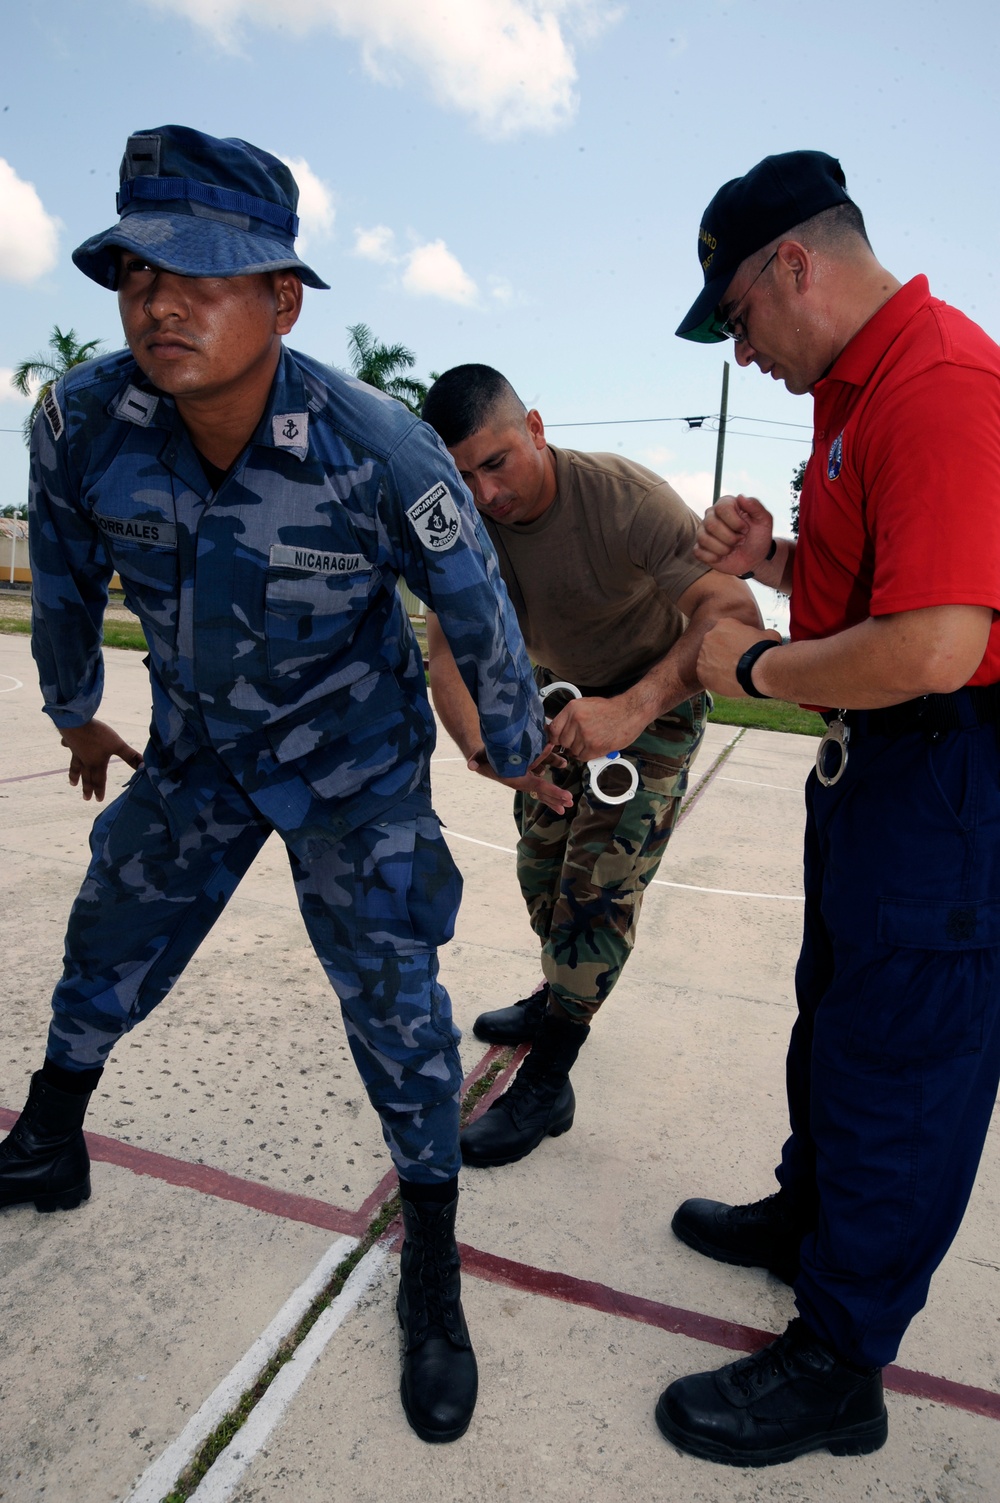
{"x":452,"y":700}
{"x":882,"y":661}
{"x":675,"y":677}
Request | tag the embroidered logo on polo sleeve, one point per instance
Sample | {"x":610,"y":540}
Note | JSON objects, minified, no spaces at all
{"x":290,"y":430}
{"x":836,"y":457}
{"x":435,"y":518}
{"x":52,"y":411}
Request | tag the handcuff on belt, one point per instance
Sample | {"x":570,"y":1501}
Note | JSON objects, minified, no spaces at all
{"x":599,"y":765}
{"x":831,"y":754}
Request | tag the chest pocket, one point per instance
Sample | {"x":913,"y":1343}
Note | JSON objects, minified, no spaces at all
{"x":144,"y":553}
{"x":313,"y":616}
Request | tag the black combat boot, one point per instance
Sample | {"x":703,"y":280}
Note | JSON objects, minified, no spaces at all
{"x":796,"y":1395}
{"x":440,"y":1378}
{"x":44,"y":1157}
{"x":518,"y":1024}
{"x":763,"y":1234}
{"x":538,"y":1103}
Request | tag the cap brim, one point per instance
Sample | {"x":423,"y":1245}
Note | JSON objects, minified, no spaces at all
{"x":191,"y":246}
{"x":701,"y":324}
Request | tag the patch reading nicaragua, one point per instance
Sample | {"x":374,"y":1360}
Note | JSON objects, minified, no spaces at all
{"x":290,"y":430}
{"x":137,"y":406}
{"x":311,"y":561}
{"x":155,"y":534}
{"x":836,"y":457}
{"x":435,"y":518}
{"x":52,"y":411}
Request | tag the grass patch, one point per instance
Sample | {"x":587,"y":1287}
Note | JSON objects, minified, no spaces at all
{"x":124,"y":634}
{"x":220,"y":1437}
{"x":766,"y":715}
{"x":19,"y":624}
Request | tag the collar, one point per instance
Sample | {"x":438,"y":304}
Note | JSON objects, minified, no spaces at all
{"x":284,"y":425}
{"x":858,"y":359}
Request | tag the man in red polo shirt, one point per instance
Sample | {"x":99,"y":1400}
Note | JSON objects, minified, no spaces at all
{"x":895,"y":587}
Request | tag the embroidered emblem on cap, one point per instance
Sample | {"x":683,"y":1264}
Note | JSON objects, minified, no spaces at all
{"x":52,"y":411}
{"x":290,"y":430}
{"x":137,"y":406}
{"x":836,"y":457}
{"x":435,"y":518}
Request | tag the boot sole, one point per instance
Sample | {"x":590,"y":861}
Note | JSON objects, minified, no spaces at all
{"x":786,"y":1272}
{"x":855,"y":1440}
{"x":477,"y":1161}
{"x":57,"y":1200}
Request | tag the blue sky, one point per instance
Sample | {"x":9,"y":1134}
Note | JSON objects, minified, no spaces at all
{"x":514,"y":181}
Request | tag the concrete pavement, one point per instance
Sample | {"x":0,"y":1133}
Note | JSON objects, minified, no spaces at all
{"x":235,"y":1153}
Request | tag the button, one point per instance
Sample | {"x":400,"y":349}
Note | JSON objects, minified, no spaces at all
{"x":515,"y":760}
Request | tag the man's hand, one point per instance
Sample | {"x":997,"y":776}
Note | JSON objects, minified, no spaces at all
{"x":92,"y":746}
{"x":588,"y":728}
{"x":721,"y":649}
{"x":559,"y":800}
{"x":734,"y":536}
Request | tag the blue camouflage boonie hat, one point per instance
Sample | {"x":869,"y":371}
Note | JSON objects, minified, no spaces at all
{"x":202,"y":206}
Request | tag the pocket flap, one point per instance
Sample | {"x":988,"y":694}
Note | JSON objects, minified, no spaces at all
{"x":917,"y":924}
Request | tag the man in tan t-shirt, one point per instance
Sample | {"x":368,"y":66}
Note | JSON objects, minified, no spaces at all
{"x":596,"y":554}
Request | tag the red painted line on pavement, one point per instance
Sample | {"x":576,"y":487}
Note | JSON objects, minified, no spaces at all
{"x":699,"y":1327}
{"x":27,"y":776}
{"x":498,"y":1270}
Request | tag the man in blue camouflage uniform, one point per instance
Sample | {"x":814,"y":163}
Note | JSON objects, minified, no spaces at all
{"x":259,"y":508}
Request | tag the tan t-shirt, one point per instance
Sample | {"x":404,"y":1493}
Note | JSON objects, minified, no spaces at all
{"x":596,"y":579}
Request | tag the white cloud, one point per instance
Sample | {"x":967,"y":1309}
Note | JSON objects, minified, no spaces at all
{"x":29,"y":236}
{"x":7,"y":392}
{"x":509,"y":64}
{"x":375,"y":244}
{"x":316,"y":203}
{"x":695,"y":487}
{"x":428,"y":270}
{"x":432,"y":271}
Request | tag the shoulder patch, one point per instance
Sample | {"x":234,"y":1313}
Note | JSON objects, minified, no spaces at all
{"x":137,"y":406}
{"x":435,"y":518}
{"x":53,"y":412}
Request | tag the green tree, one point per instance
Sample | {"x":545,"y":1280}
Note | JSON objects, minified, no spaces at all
{"x":46,"y":369}
{"x":382,"y":366}
{"x":797,"y":479}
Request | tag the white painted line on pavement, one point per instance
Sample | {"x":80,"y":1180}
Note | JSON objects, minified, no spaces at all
{"x":753,"y":783}
{"x":218,"y":1485}
{"x":724,"y":892}
{"x":732,"y":892}
{"x":160,"y":1476}
{"x":15,"y":683}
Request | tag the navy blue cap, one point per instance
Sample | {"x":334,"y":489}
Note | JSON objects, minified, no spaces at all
{"x":200,"y":205}
{"x":748,"y":213}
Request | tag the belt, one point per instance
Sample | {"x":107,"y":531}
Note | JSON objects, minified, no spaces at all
{"x":603,"y":691}
{"x":964,"y":710}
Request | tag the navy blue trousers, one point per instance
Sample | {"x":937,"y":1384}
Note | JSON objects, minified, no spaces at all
{"x":894,"y":1058}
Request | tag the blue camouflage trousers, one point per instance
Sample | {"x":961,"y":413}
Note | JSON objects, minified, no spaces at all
{"x":376,"y":906}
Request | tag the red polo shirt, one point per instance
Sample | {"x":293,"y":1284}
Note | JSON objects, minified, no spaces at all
{"x":900,"y":506}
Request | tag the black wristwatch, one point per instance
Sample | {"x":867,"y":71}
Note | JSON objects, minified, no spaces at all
{"x":744,"y":668}
{"x":767,"y":559}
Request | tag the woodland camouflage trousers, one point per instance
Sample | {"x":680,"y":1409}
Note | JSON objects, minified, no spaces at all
{"x":583,"y":874}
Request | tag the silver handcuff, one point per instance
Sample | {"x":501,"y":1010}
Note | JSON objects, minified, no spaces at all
{"x":599,"y":765}
{"x":838,"y":734}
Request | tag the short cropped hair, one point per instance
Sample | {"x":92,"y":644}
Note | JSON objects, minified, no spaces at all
{"x":831,"y":229}
{"x":465,"y":399}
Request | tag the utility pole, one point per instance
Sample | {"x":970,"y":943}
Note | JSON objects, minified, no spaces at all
{"x":721,"y":444}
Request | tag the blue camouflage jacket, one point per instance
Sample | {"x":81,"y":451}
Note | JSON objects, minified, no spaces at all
{"x":278,"y":643}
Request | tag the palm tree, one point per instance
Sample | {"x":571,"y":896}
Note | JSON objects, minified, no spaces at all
{"x":66,"y":352}
{"x":380,"y":365}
